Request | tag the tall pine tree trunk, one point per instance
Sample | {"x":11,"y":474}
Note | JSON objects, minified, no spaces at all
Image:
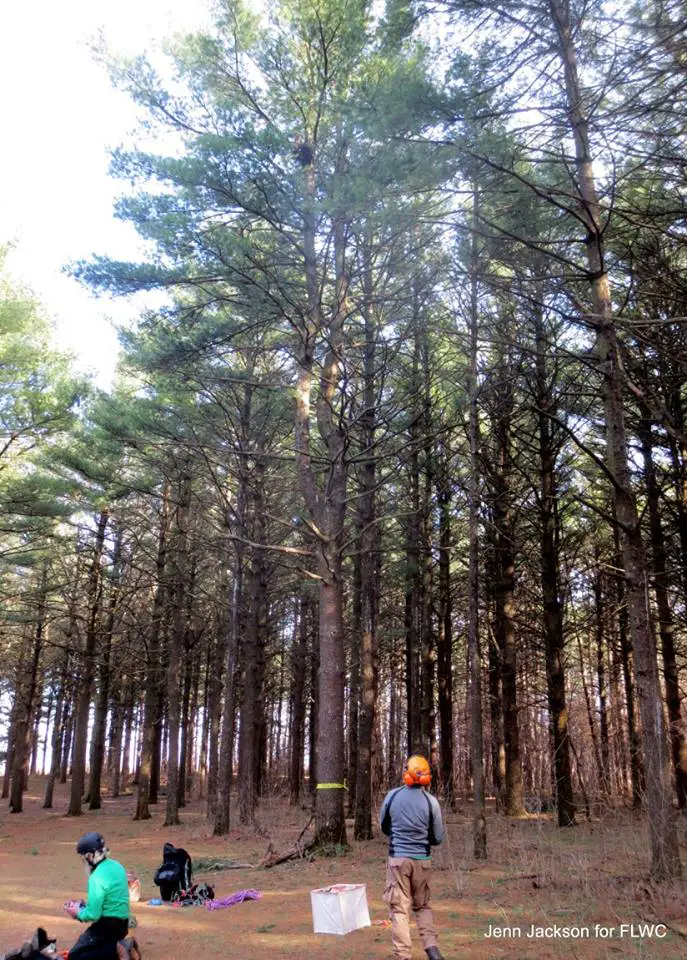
{"x":176,"y":644}
{"x":153,"y":672}
{"x":225,"y":773}
{"x":427,"y":640}
{"x":298,"y":678}
{"x":665,"y":856}
{"x":479,"y":833}
{"x":665,"y":620}
{"x":26,"y":701}
{"x":251,"y":703}
{"x":354,"y":695}
{"x":214,"y":681}
{"x":413,"y":577}
{"x":445,"y":634}
{"x":326,"y":508}
{"x":103,"y":701}
{"x":57,"y":731}
{"x":550,"y":581}
{"x":504,"y":587}
{"x":367,"y":540}
{"x":602,"y":692}
{"x":85,"y":689}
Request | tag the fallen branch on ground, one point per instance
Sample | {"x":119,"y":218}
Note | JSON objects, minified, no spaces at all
{"x":299,"y":851}
{"x":208,"y":865}
{"x":519,"y":876}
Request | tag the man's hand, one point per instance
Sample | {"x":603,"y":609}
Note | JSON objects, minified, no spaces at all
{"x":72,"y":907}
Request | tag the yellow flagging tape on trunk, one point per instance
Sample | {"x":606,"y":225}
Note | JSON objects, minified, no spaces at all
{"x":331,"y":786}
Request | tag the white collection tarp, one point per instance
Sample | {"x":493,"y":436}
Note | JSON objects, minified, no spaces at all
{"x":340,"y":908}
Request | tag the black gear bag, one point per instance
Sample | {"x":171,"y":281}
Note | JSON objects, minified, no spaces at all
{"x":176,"y":872}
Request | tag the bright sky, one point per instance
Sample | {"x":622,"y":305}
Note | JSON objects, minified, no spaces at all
{"x":59,"y":117}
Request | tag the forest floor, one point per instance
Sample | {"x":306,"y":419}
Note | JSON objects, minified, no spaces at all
{"x":590,"y":879}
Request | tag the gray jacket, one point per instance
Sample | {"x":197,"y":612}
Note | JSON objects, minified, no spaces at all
{"x":411,"y":819}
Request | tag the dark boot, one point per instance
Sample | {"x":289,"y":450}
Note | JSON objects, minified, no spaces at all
{"x":434,"y":953}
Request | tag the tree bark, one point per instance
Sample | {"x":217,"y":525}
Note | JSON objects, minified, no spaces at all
{"x":479,"y":832}
{"x":185,"y":710}
{"x":68,"y":735}
{"x":445,"y":634}
{"x":153,"y":674}
{"x":413,"y":606}
{"x":665,"y":857}
{"x":26,"y":701}
{"x":550,"y":582}
{"x":504,"y":626}
{"x":103,"y":701}
{"x":225,"y":774}
{"x":602,"y":693}
{"x":665,"y":620}
{"x":85,"y":689}
{"x":326,"y":508}
{"x":176,"y":642}
{"x":116,"y":730}
{"x":298,"y":676}
{"x":215,"y":724}
{"x":251,"y":714}
{"x":57,"y":731}
{"x":367,"y":540}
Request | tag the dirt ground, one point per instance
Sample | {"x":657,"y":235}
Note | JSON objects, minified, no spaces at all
{"x":549,"y":893}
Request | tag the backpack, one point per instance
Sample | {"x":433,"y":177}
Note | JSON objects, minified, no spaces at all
{"x":175,"y":873}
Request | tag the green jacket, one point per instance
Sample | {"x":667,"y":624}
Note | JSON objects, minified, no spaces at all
{"x":108,"y":893}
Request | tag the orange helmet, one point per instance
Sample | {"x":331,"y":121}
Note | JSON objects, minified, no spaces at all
{"x":417,"y":772}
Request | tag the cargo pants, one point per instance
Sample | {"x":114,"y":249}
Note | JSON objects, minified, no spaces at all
{"x":407,"y":886}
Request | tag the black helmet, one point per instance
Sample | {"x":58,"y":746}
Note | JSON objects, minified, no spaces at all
{"x":90,"y":843}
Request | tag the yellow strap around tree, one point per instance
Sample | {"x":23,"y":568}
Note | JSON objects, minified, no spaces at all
{"x":331,"y":786}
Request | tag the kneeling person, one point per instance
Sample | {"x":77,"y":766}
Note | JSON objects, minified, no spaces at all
{"x":106,"y":907}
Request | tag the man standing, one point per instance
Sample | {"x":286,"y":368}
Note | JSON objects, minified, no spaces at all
{"x":106,"y":907}
{"x":411,"y":818}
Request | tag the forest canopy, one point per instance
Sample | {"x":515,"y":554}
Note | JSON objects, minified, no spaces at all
{"x":401,"y":465}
